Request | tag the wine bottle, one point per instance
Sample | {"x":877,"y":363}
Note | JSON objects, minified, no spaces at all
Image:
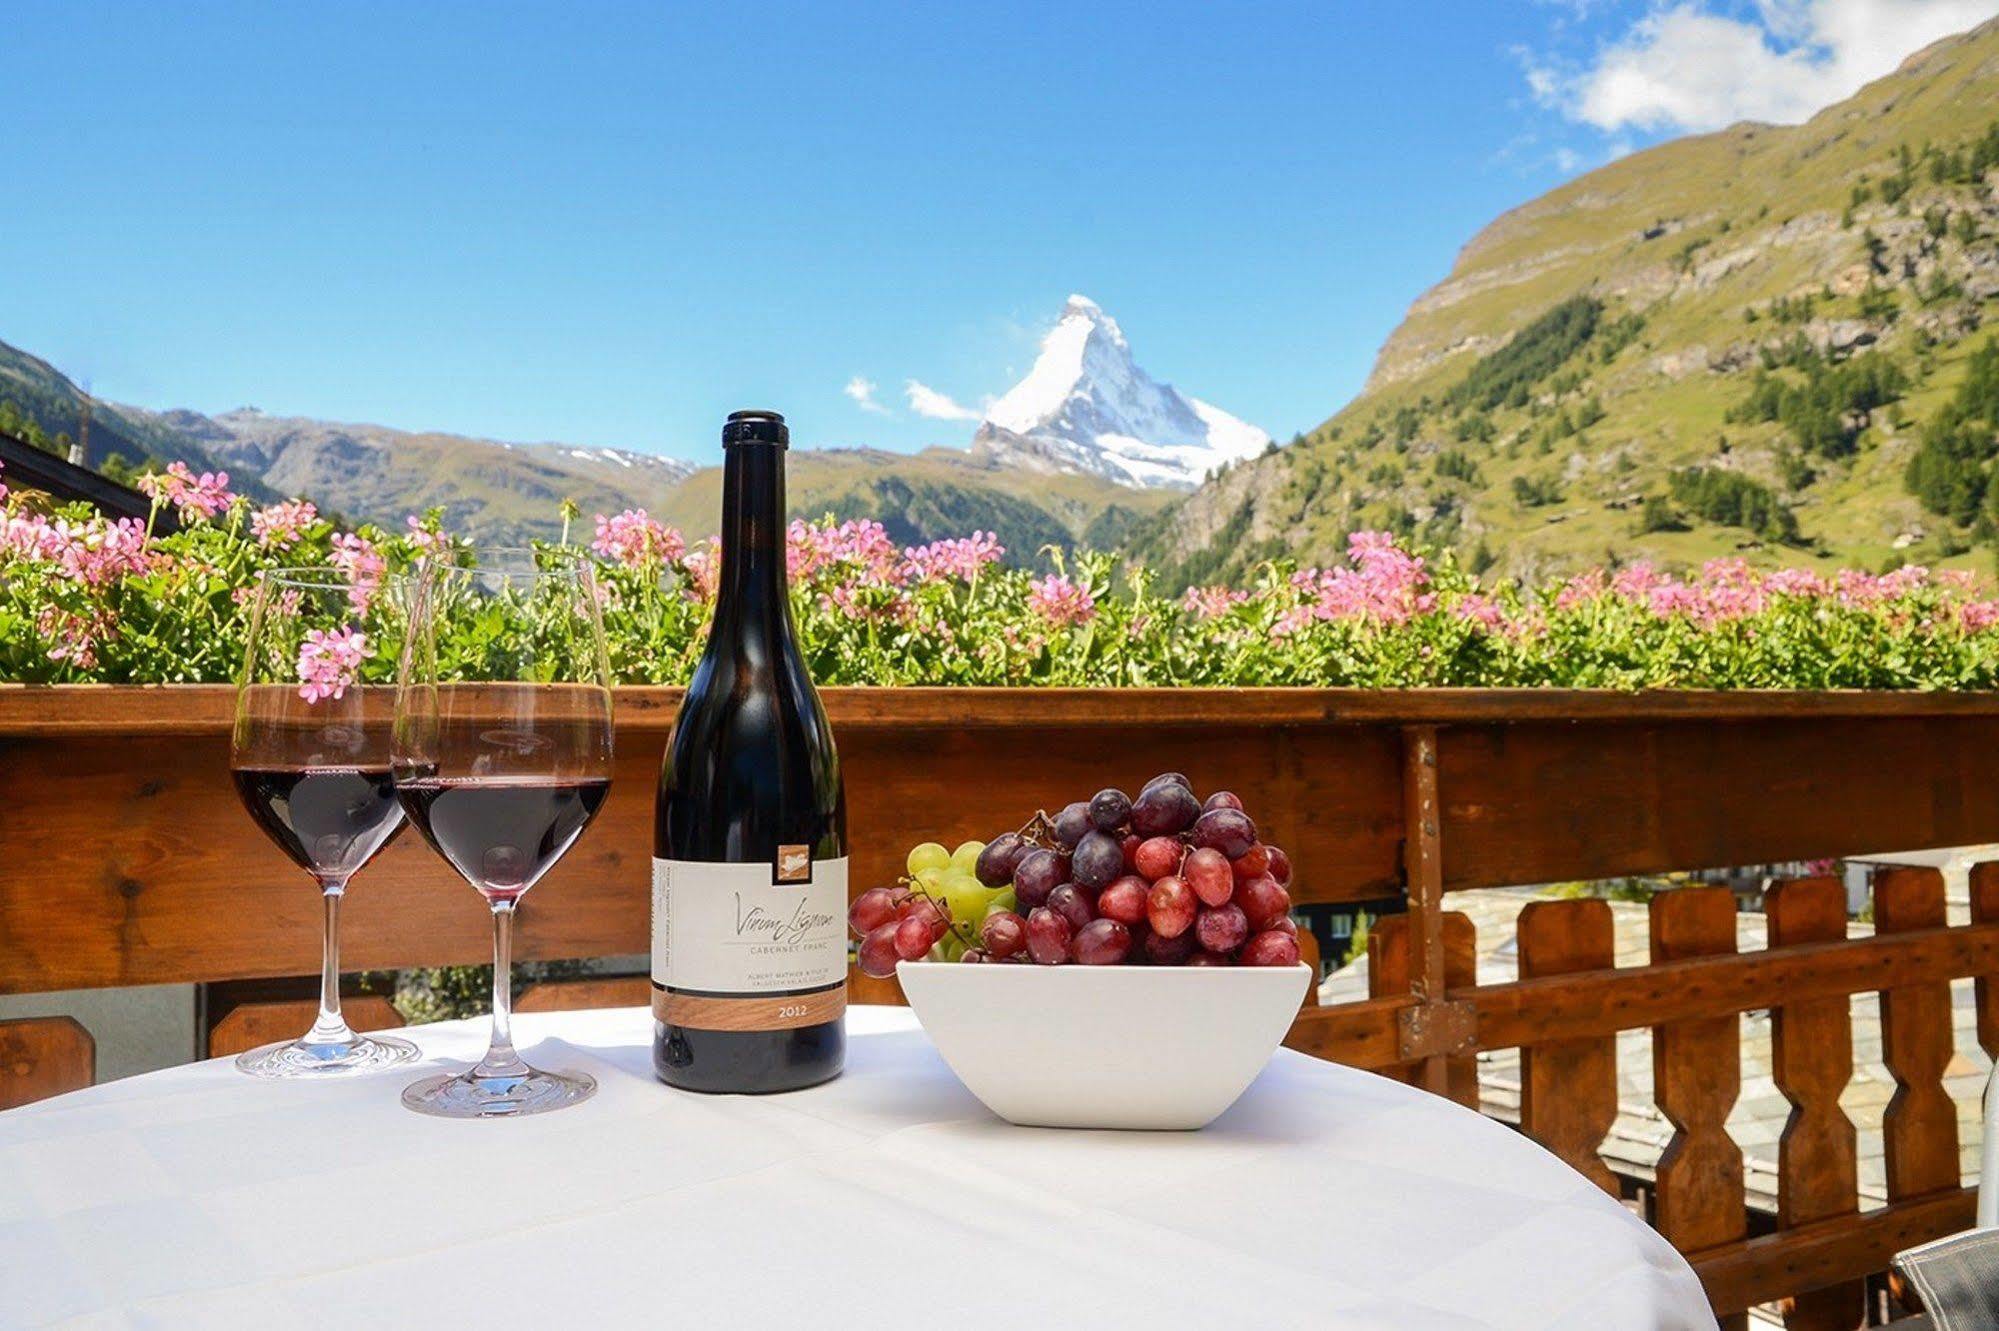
{"x":749,"y":895}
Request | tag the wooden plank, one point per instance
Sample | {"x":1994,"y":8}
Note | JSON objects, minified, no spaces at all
{"x":1388,"y":976}
{"x":597,"y":991}
{"x":205,"y":708}
{"x":248,"y":1025}
{"x":1540,"y":802}
{"x":1568,"y":1088}
{"x":1919,"y":1126}
{"x":1361,"y":1035}
{"x":149,"y":871}
{"x":1812,"y":1064}
{"x":1534,"y":1011}
{"x":1771,"y":1266}
{"x":44,"y":1056}
{"x":1696,"y":1077}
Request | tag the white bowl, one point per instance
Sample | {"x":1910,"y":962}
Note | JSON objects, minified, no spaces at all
{"x":1105,"y":1046}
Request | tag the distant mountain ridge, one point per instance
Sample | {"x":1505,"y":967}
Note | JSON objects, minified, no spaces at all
{"x":1083,"y":451}
{"x":488,"y":488}
{"x":1086,"y":407}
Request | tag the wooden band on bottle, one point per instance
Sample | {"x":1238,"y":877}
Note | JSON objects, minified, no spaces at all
{"x":749,"y":1012}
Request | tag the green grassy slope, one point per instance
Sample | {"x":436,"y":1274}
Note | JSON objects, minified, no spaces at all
{"x":941,"y":492}
{"x":1575,"y":389}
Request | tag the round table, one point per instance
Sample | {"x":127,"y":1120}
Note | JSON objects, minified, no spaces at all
{"x":1326,"y":1198}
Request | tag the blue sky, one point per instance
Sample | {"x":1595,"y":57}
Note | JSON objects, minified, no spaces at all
{"x":612,"y":224}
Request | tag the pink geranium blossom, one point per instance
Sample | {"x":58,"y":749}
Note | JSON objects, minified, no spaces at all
{"x":1061,"y":602}
{"x":961,"y":558}
{"x":193,"y":496}
{"x":327,"y":662}
{"x":704,"y":570}
{"x":810,"y":547}
{"x":356,"y":559}
{"x":1384,"y":585}
{"x":1481,"y":610}
{"x":633,"y":538}
{"x":281,"y":526}
{"x":1211,"y":602}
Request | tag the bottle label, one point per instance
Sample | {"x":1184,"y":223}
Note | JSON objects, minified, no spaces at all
{"x":726,"y":934}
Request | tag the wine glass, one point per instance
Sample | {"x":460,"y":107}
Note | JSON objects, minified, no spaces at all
{"x":310,"y":756}
{"x":502,"y":755}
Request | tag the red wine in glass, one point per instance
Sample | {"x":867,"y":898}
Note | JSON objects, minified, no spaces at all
{"x":309,"y":753}
{"x":502,"y":756}
{"x":330,"y":820}
{"x":502,"y":833}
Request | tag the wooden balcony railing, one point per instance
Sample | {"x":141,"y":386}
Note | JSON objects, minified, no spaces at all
{"x":124,"y":860}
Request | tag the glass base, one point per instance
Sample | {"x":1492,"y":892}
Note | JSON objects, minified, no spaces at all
{"x":306,"y":1057}
{"x":510,"y":1095}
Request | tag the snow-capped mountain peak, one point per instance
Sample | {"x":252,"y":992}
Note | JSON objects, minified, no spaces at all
{"x":1087,"y":407}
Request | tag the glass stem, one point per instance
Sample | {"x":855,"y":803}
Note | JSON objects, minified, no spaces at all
{"x":331,"y":1027}
{"x":501,"y":1060}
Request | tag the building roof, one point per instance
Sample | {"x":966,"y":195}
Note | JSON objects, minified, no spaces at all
{"x":31,"y":468}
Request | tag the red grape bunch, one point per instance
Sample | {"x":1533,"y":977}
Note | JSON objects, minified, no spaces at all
{"x":1164,"y":880}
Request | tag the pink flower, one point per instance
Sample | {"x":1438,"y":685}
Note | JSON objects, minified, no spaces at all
{"x":1582,"y":588}
{"x":356,"y":559}
{"x":810,"y":547}
{"x":1796,"y":582}
{"x":282,"y":525}
{"x":1211,"y":602}
{"x":1481,"y":610}
{"x":98,"y":552}
{"x":194,"y":496}
{"x":1977,"y":616}
{"x":75,"y":637}
{"x":704,"y":570}
{"x":1061,"y":602}
{"x":1385,"y":584}
{"x":327,"y":662}
{"x":1636,"y":582}
{"x":634,"y":539}
{"x":422,"y":538}
{"x":961,"y":558}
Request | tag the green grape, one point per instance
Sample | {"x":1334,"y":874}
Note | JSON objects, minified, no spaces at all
{"x":966,"y":856}
{"x":929,"y":855}
{"x":1002,"y":899}
{"x":965,"y":895}
{"x":954,"y":946}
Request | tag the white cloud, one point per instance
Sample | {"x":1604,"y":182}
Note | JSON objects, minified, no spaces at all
{"x":1685,"y":67}
{"x":927,"y":401}
{"x":863,"y":392}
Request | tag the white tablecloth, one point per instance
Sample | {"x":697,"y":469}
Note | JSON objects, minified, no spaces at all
{"x":889,"y":1198}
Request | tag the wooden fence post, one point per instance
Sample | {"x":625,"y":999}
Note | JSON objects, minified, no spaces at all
{"x":1568,"y":1088}
{"x":1812,"y":1063}
{"x":1696,"y":1077}
{"x":1919,"y":1127}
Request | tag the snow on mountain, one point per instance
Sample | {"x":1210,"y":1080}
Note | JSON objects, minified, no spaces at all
{"x":1087,"y":407}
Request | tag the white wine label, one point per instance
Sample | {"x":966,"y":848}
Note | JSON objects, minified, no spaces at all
{"x":731,"y":929}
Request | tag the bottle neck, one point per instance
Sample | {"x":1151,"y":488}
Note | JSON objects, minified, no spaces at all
{"x":753,"y":582}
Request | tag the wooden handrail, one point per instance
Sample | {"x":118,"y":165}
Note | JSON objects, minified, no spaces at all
{"x":1584,"y":1004}
{"x":186,"y":709}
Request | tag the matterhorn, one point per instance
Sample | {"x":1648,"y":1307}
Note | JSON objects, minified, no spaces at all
{"x":1087,"y":408}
